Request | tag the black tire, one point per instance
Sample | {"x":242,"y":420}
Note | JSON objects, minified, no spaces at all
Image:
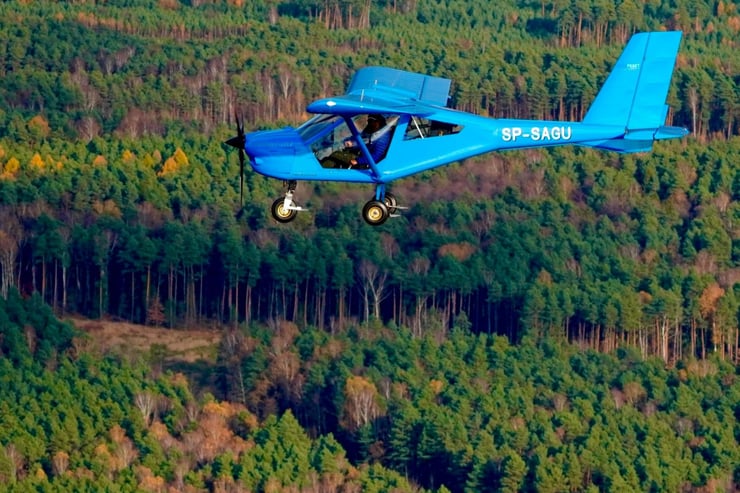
{"x":375,"y":213}
{"x":281,"y":214}
{"x":391,"y":203}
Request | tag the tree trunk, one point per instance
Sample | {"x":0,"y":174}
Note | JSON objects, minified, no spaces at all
{"x":341,"y":307}
{"x":55,"y":286}
{"x":236,"y":300}
{"x":100,"y":292}
{"x":248,"y":304}
{"x":64,"y":289}
{"x":133,"y":294}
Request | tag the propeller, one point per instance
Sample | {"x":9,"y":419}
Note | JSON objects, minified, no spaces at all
{"x":239,"y":142}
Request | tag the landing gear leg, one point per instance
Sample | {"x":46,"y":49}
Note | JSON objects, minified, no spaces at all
{"x":390,"y":203}
{"x":284,"y":209}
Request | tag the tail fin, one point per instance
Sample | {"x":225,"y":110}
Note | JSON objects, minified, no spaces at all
{"x":635,"y":92}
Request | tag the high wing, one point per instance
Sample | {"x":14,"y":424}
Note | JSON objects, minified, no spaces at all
{"x":424,"y":88}
{"x":384,"y":90}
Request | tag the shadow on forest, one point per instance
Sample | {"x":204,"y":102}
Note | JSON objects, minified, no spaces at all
{"x":201,"y":374}
{"x":542,"y":28}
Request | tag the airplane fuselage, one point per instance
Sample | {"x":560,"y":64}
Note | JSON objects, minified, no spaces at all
{"x":284,"y":155}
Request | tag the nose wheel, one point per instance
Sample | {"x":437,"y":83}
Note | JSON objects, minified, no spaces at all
{"x":284,"y":213}
{"x":284,"y":209}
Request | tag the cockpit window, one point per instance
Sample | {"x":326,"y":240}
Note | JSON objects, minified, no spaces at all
{"x":325,"y":134}
{"x":318,"y":125}
{"x":335,"y":145}
{"x":422,"y":128}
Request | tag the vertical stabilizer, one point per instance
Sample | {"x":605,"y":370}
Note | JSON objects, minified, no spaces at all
{"x":634,"y":95}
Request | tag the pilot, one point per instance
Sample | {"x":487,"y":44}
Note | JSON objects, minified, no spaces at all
{"x":376,"y":137}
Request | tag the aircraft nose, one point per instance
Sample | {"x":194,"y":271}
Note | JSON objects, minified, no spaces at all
{"x":270,"y":143}
{"x":275,"y":153}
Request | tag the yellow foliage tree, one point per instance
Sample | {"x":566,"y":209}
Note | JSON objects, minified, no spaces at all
{"x":174,"y":163}
{"x":436,"y":386}
{"x":10,"y":170}
{"x":37,"y":161}
{"x":180,"y":157}
{"x":170,"y":167}
{"x":149,"y":161}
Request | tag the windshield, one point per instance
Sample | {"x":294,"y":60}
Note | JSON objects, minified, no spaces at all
{"x":325,"y":134}
{"x":317,"y":126}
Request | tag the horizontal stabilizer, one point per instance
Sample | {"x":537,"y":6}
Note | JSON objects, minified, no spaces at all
{"x":660,"y":133}
{"x":622,"y":145}
{"x":666,"y":132}
{"x":638,"y":140}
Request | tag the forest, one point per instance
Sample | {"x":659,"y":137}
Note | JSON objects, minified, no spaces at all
{"x":549,"y":320}
{"x":371,"y":409}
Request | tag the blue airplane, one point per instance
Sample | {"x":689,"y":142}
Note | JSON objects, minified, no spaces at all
{"x":392,"y":124}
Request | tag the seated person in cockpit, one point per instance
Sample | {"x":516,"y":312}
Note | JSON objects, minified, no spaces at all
{"x":351,"y":156}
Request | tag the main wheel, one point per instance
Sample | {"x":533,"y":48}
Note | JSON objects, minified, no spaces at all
{"x":375,"y":213}
{"x":390,"y":203}
{"x":280,"y":213}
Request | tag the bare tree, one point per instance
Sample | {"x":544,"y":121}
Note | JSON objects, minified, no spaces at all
{"x":361,"y":406}
{"x":10,"y":238}
{"x":88,"y":128}
{"x":16,"y":464}
{"x":125,"y":452}
{"x":419,"y":267}
{"x":374,"y":280}
{"x":60,"y":462}
{"x":147,"y":404}
{"x":694,"y":103}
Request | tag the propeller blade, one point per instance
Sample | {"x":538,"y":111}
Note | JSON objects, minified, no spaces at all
{"x":239,"y":142}
{"x":241,"y":177}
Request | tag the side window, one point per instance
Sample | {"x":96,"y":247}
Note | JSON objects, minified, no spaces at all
{"x":422,"y":128}
{"x":330,"y":138}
